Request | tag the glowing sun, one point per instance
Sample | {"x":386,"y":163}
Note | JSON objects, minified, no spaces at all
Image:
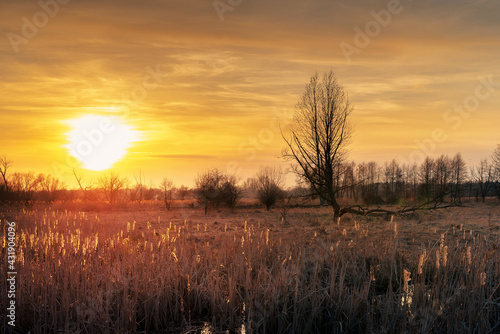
{"x":99,"y":141}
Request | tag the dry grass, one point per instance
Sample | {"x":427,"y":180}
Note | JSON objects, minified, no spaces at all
{"x":155,"y":271}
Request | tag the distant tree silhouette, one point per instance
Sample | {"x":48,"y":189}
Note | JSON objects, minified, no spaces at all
{"x":139,"y":190}
{"x":4,"y":168}
{"x":410,"y":173}
{"x":215,"y":187}
{"x":442,"y":177}
{"x":393,"y":182}
{"x":427,"y":177}
{"x":268,"y":185}
{"x":182,"y":192}
{"x":371,"y":194}
{"x":458,"y":176}
{"x":87,"y":193}
{"x":349,"y":181}
{"x":49,"y":187}
{"x":231,"y":191}
{"x":483,"y":175}
{"x":23,"y":186}
{"x":495,"y":161}
{"x":111,"y":185}
{"x":209,"y":188}
{"x":166,"y":187}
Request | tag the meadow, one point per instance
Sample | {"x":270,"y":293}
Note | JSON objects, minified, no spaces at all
{"x":142,"y":269}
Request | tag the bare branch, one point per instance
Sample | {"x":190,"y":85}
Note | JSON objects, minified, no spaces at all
{"x":319,"y":136}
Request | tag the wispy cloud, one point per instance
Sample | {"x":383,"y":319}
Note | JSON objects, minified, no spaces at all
{"x":225,"y":78}
{"x":182,"y":156}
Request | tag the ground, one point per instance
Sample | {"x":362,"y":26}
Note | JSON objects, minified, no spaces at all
{"x":145,"y":269}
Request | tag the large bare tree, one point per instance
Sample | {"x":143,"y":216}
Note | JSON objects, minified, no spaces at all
{"x":319,"y":136}
{"x":318,"y":141}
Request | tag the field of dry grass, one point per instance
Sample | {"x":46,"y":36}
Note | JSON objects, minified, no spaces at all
{"x":143,"y":269}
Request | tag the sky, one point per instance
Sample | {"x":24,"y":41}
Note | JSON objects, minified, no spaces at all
{"x":201,"y":83}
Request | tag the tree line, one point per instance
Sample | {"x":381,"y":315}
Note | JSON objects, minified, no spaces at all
{"x":444,"y":179}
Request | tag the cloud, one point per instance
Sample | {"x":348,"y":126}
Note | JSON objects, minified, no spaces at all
{"x":182,"y":156}
{"x":225,"y":78}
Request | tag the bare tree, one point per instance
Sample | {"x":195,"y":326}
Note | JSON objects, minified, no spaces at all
{"x":139,"y":189}
{"x":317,"y":145}
{"x":86,"y":189}
{"x":393,"y":181}
{"x":49,"y":186}
{"x":495,"y":161}
{"x":362,"y":177}
{"x":442,"y":176}
{"x":319,"y":136}
{"x":248,"y":188}
{"x":182,"y":192}
{"x":373,"y":173}
{"x":483,"y":176}
{"x":111,"y":185}
{"x":349,"y":181}
{"x":231,"y":192}
{"x":150,"y":192}
{"x":23,"y":186}
{"x":166,"y":187}
{"x":458,"y":176}
{"x":209,"y":188}
{"x":410,"y":172}
{"x":268,"y":185}
{"x":4,"y":168}
{"x":427,"y":177}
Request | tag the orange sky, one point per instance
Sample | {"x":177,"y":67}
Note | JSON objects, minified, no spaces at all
{"x":222,"y":87}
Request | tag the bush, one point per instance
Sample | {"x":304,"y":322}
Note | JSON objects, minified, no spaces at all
{"x":215,"y":187}
{"x":268,"y":183}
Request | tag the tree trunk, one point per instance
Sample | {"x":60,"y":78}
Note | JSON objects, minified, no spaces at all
{"x":337,"y":210}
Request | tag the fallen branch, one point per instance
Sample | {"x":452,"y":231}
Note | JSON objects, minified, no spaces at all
{"x":430,"y":205}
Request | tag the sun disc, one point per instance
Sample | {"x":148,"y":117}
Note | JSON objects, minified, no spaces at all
{"x":98,"y":142}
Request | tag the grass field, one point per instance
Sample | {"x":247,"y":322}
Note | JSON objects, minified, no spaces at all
{"x":143,"y":269}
